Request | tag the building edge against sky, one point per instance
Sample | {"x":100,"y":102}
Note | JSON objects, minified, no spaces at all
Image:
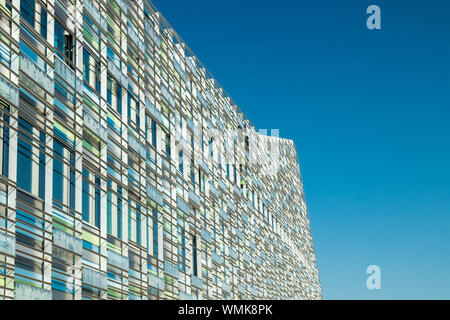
{"x":127,"y":172}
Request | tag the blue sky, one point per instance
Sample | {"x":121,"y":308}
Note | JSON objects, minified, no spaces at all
{"x":368,"y":111}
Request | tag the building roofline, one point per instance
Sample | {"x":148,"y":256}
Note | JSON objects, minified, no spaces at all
{"x":166,"y":25}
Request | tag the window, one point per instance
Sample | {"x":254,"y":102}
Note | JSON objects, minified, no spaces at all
{"x":210,"y":146}
{"x":91,"y":71}
{"x":133,"y":110}
{"x":223,"y":241}
{"x":192,"y":172}
{"x":201,"y":180}
{"x":116,"y":126}
{"x":27,"y":10}
{"x":5,"y":55}
{"x":114,"y":94}
{"x":202,"y":143}
{"x":64,"y":44}
{"x":44,"y":22}
{"x":4,"y":139}
{"x":155,"y":233}
{"x":91,"y":142}
{"x":133,"y":168}
{"x":194,"y":255}
{"x":91,"y":198}
{"x":168,"y":151}
{"x":180,"y":161}
{"x":133,"y":58}
{"x":63,"y":175}
{"x":134,"y":221}
{"x":153,"y":133}
{"x":182,"y":251}
{"x":91,"y":32}
{"x":31,"y":159}
{"x":29,"y":269}
{"x":68,"y":46}
{"x":146,"y":127}
{"x":114,"y":209}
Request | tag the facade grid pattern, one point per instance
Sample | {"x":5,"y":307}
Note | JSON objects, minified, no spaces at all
{"x":127,"y":172}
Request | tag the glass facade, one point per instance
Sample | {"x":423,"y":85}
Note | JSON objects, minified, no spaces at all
{"x":127,"y":172}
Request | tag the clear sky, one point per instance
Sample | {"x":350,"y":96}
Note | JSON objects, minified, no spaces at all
{"x":369,"y":111}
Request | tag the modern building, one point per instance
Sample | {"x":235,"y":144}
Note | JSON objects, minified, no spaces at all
{"x":127,"y":172}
